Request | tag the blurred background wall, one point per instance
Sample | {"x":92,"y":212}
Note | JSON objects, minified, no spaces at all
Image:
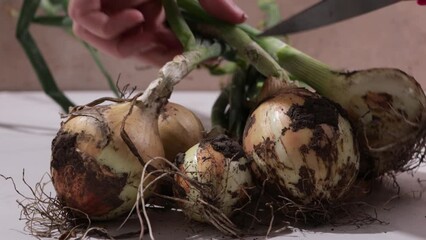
{"x":391,"y":37}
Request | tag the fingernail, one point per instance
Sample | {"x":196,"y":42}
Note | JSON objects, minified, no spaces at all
{"x":237,"y":10}
{"x":244,"y":17}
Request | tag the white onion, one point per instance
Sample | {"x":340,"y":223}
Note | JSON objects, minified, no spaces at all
{"x":93,"y":169}
{"x":222,"y":175}
{"x":303,"y":146}
{"x":179,"y":129}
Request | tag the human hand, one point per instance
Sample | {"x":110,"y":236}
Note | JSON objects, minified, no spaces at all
{"x":135,"y":28}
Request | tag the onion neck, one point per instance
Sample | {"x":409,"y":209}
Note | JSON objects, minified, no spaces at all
{"x":251,"y":51}
{"x":271,"y":44}
{"x":308,"y":70}
{"x":158,"y":91}
{"x":303,"y":67}
{"x":196,"y":52}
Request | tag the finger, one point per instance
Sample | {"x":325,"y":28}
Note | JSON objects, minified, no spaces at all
{"x":122,"y":47}
{"x":79,"y":7}
{"x":107,"y":46}
{"x":157,"y":56}
{"x":91,"y":18}
{"x":225,"y":10}
{"x":136,"y":41}
{"x":167,"y":38}
{"x":154,"y":23}
{"x":154,"y":15}
{"x":114,"y":5}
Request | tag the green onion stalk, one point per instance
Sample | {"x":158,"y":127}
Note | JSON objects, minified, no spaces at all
{"x":386,"y":106}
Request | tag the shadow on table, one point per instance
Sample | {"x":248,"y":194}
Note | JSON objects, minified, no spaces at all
{"x":404,"y":213}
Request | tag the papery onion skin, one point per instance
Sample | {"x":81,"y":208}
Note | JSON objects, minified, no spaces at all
{"x":179,"y":129}
{"x":302,"y":146}
{"x":388,"y":107}
{"x":93,"y":170}
{"x":220,"y":167}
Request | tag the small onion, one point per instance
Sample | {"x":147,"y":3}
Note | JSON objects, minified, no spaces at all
{"x":179,"y":129}
{"x":221,"y":174}
{"x":93,"y":169}
{"x":302,"y":146}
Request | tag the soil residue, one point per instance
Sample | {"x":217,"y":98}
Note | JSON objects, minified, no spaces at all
{"x":223,"y":144}
{"x":305,"y":184}
{"x":80,"y":181}
{"x":314,"y":111}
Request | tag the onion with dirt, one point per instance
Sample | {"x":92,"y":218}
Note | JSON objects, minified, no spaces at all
{"x":302,"y":146}
{"x":214,"y":178}
{"x":93,"y":169}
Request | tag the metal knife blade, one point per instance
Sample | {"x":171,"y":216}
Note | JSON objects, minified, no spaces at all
{"x":324,"y":13}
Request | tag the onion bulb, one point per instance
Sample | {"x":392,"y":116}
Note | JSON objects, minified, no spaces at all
{"x":302,"y":146}
{"x":179,"y":129}
{"x":387,"y":107}
{"x":93,"y":170}
{"x":216,"y":172}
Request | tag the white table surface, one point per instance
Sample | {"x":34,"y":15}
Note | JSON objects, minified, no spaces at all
{"x":29,"y":121}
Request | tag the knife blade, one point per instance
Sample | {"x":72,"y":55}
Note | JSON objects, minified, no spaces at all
{"x":324,"y":13}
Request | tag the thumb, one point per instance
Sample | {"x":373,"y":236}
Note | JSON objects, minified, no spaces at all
{"x":225,"y":10}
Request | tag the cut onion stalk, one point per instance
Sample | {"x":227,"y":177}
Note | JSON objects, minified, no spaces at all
{"x":99,"y":153}
{"x":387,"y":107}
{"x":180,"y":129}
{"x":303,"y":147}
{"x":215,"y":176}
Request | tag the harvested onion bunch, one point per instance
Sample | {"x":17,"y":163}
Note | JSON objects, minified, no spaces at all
{"x":298,"y":141}
{"x":214,"y":176}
